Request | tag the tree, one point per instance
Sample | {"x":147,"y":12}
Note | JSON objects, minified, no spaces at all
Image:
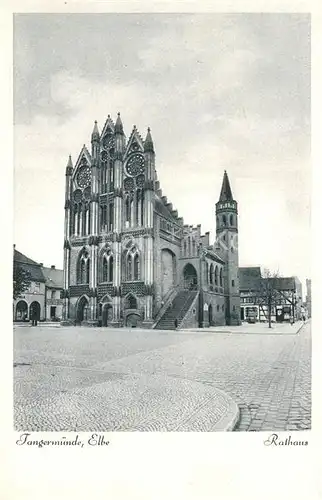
{"x":21,"y":280}
{"x":267,"y":293}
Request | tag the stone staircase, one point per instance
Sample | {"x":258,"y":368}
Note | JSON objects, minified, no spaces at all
{"x":177,"y":311}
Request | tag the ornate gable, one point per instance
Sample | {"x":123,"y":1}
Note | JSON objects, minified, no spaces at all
{"x":135,"y":143}
{"x":82,"y":172}
{"x":108,"y":128}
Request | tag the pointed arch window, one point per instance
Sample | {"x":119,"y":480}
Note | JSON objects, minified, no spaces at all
{"x":127,"y":211}
{"x":111,"y":176}
{"x":136,"y":267}
{"x":224,"y":220}
{"x":142,"y":207}
{"x":211,"y":274}
{"x":104,"y":269}
{"x":104,"y":177}
{"x":107,"y":266}
{"x":132,"y":265}
{"x":129,"y":267}
{"x":207,"y":272}
{"x":104,"y":217}
{"x":83,"y":268}
{"x":193,"y":247}
{"x":138,"y":207}
{"x":111,"y":217}
{"x":220,"y":277}
{"x":110,"y":268}
{"x":216,"y":275}
{"x":75,"y":220}
{"x":231,"y":220}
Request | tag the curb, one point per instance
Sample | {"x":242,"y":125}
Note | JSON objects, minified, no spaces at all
{"x":302,"y":326}
{"x":229,"y":421}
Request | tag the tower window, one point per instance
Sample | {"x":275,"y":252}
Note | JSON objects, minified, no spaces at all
{"x":211,"y":274}
{"x":217,"y":307}
{"x":216,"y":275}
{"x":224,"y":220}
{"x":232,"y":282}
{"x":231,"y":220}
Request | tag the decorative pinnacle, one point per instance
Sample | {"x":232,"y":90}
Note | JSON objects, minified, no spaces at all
{"x":148,"y":143}
{"x":69,"y":167}
{"x":70,"y":163}
{"x":118,"y":125}
{"x":95,"y":133}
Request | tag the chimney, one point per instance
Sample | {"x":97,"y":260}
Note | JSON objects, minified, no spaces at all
{"x":52,"y":267}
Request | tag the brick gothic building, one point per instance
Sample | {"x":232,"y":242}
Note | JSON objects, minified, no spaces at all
{"x":129,"y":260}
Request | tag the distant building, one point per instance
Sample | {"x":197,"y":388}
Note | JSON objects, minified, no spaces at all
{"x":288,"y":299}
{"x":249,"y":278}
{"x":43,"y":295}
{"x":308,"y":297}
{"x":54,"y":287}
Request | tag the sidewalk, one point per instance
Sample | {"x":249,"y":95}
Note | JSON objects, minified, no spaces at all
{"x":253,"y":328}
{"x":26,"y":324}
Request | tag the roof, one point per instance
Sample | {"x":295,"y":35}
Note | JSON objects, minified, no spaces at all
{"x":162,"y":210}
{"x":284,"y":283}
{"x":226,"y":194}
{"x":54,"y":277}
{"x":29,"y":265}
{"x":213,"y":255}
{"x":249,"y":277}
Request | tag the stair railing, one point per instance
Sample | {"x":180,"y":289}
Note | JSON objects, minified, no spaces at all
{"x":184,"y":305}
{"x":169,"y":298}
{"x":189,"y":308}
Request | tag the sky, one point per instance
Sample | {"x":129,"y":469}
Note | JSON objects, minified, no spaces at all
{"x":219,"y":91}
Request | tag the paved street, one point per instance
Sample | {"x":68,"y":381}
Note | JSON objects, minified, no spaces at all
{"x":105,"y":379}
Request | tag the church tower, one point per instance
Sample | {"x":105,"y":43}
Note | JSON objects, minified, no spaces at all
{"x":227,"y":247}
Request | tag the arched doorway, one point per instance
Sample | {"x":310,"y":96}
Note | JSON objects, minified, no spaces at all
{"x":34,"y":310}
{"x":21,"y":310}
{"x":190,"y":278}
{"x":168,"y":271}
{"x":107,"y":313}
{"x":210,"y":314}
{"x":133,"y":320}
{"x":82,"y":313}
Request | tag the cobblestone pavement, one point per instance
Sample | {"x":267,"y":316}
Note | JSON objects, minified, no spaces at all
{"x":106,"y":379}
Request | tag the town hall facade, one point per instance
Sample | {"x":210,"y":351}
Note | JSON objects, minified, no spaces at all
{"x":129,"y":259}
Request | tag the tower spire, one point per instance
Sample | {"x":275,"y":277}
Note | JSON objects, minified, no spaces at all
{"x":95,"y":133}
{"x":148,"y":143}
{"x":225,"y":193}
{"x":118,"y":125}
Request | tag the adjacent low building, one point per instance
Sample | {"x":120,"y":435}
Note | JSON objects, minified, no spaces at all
{"x":43,"y":297}
{"x":54,"y":287}
{"x":287,"y":303}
